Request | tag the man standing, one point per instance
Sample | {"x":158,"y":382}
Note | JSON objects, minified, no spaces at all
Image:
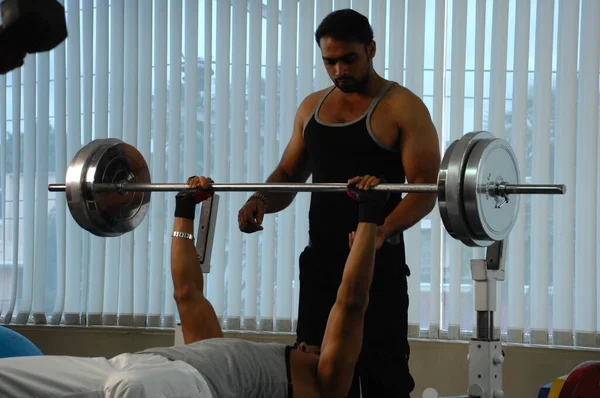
{"x":363,"y":124}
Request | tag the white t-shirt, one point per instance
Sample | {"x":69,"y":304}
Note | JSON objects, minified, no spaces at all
{"x":235,"y":367}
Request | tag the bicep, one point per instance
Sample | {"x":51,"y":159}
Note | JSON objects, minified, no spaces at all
{"x":420,"y":148}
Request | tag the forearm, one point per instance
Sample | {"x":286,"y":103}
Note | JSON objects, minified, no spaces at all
{"x":358,"y":272}
{"x":408,"y":212}
{"x":185,"y":269}
{"x":277,"y":201}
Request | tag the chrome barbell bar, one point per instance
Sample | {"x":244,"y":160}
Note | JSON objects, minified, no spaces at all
{"x":494,"y":189}
{"x":478,"y":174}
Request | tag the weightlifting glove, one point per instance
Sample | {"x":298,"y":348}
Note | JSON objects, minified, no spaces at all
{"x":186,"y":201}
{"x":370,"y":203}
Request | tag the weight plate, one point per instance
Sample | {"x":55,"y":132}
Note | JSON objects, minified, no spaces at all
{"x":450,"y":185}
{"x":490,"y":216}
{"x":116,"y":213}
{"x":75,"y":189}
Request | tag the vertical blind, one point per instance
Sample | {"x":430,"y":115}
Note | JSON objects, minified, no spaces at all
{"x":212,"y":87}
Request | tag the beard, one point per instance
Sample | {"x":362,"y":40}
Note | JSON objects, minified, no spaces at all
{"x":351,"y":84}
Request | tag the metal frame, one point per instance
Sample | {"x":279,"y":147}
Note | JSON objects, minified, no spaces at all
{"x":486,"y":356}
{"x":206,"y":232}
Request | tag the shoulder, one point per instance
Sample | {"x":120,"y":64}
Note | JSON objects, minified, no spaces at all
{"x":406,"y":105}
{"x":400,"y":95}
{"x":308,"y":104}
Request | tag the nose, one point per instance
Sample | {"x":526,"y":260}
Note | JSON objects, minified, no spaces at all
{"x":340,"y":69}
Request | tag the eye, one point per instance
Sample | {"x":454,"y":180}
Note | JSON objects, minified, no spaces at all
{"x":349,"y":59}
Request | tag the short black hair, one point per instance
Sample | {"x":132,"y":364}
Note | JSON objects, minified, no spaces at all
{"x":345,"y":25}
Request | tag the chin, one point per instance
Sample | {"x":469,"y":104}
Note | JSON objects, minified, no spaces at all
{"x":347,"y":89}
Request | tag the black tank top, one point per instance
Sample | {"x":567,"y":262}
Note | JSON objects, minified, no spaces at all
{"x":337,"y":152}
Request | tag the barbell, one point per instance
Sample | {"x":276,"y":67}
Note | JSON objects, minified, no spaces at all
{"x":108,"y":188}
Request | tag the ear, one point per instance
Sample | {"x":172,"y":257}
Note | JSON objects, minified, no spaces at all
{"x":372,"y":49}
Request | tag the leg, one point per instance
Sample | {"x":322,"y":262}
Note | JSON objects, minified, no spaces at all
{"x":343,"y":340}
{"x":56,"y":376}
{"x":385,"y":374}
{"x":318,"y":290}
{"x":319,"y":281}
{"x":383,"y":364}
{"x":384,"y":369}
{"x":355,"y":388}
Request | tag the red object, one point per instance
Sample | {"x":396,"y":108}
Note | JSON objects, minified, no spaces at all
{"x":201,"y":196}
{"x":583,"y":381}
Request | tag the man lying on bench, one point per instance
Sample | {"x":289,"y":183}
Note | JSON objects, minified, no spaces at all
{"x":209,"y":365}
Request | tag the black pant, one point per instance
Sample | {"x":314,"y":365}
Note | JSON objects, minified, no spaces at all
{"x":383,"y":363}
